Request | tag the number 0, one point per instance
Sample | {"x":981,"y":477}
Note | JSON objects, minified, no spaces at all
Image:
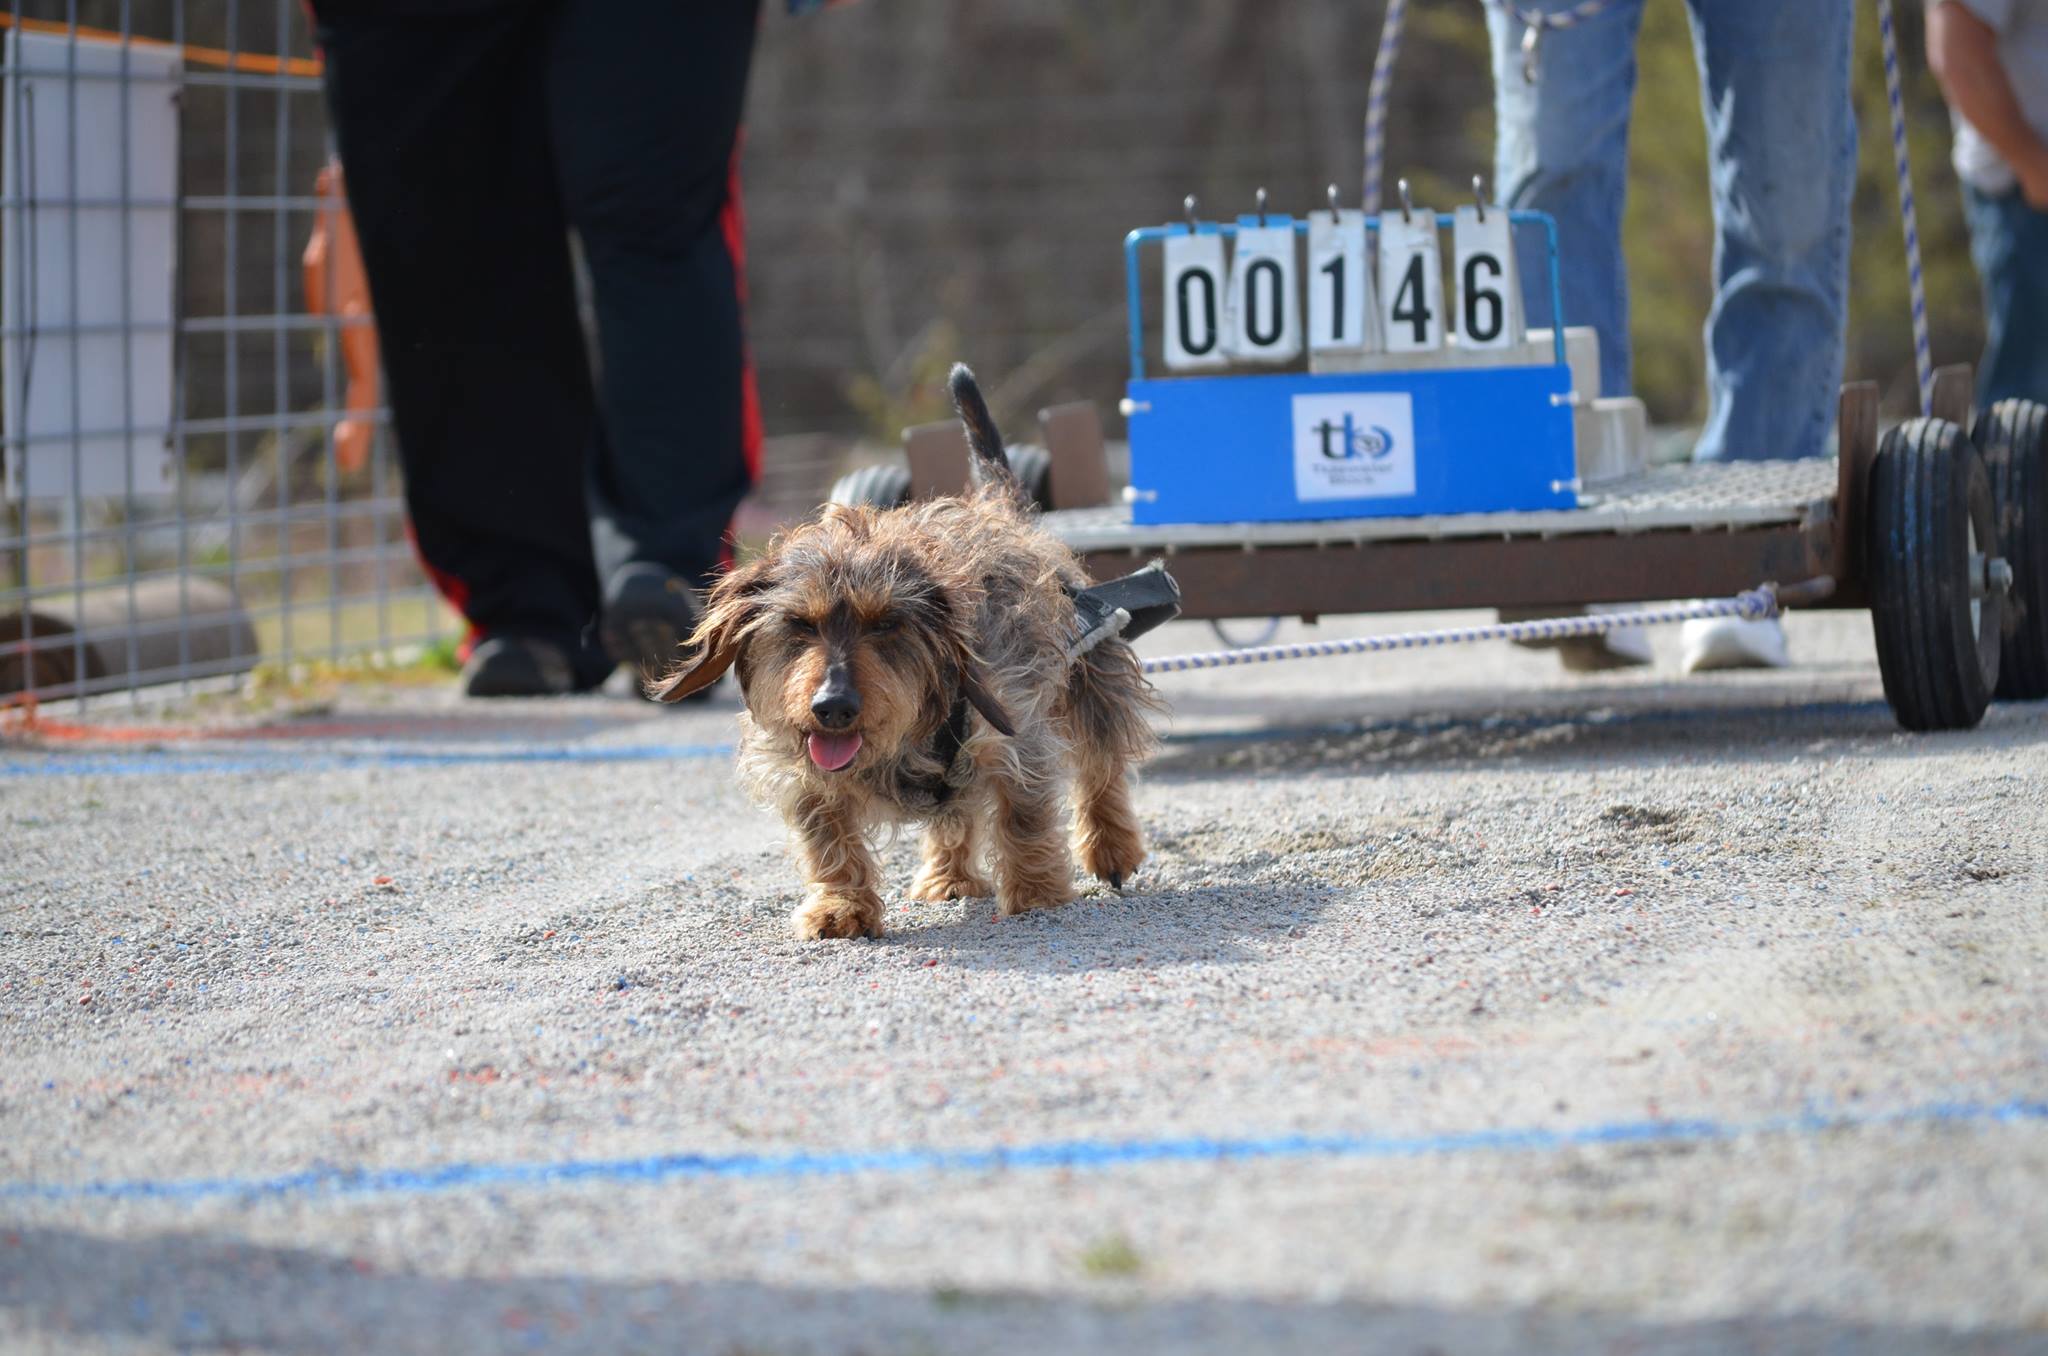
{"x":1476,"y":296}
{"x":1188,"y":309}
{"x":1268,"y":271}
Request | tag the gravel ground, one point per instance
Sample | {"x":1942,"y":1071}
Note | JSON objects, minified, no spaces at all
{"x":1465,"y":1006}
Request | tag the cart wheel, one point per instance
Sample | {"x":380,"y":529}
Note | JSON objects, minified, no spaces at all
{"x":1931,"y":540}
{"x":1032,"y":465}
{"x":2013,"y":436}
{"x":884,"y":486}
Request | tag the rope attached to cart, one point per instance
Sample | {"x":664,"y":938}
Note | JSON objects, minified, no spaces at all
{"x":1376,"y":103}
{"x":1750,"y":605}
{"x":1923,"y":355}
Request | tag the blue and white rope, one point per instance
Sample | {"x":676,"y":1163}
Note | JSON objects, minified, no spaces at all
{"x":1751,"y":605}
{"x":1923,"y":354}
{"x":1376,"y":103}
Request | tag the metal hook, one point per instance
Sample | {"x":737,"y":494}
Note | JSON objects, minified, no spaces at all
{"x":1262,"y":206}
{"x":1479,"y":192}
{"x":1335,"y":211}
{"x":1407,"y":206}
{"x":1187,"y":205}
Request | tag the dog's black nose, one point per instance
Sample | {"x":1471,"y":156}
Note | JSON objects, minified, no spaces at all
{"x":835,"y":704}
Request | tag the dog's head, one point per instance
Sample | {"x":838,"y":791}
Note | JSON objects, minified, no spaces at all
{"x":843,"y":639}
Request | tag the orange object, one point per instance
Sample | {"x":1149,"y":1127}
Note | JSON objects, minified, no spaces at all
{"x":337,"y":286}
{"x":258,"y":63}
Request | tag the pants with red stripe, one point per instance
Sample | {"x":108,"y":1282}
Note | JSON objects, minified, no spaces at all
{"x":475,"y":138}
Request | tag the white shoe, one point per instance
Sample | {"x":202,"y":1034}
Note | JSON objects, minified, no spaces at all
{"x":1733,"y":643}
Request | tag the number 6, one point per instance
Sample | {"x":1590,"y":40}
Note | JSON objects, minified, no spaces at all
{"x":1489,"y":294}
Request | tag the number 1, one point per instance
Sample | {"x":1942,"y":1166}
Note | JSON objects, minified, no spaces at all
{"x":1335,"y":269}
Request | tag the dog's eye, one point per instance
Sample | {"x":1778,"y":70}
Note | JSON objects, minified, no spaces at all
{"x":883,"y":625}
{"x":803,"y":626}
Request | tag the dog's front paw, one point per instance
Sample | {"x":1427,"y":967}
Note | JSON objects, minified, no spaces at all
{"x":826,"y":914}
{"x":1023,"y":899}
{"x":1112,"y":856}
{"x":937,"y":883}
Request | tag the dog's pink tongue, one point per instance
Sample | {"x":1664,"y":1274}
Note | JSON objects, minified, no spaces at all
{"x":832,"y":752}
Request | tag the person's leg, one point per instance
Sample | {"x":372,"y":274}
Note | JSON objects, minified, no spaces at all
{"x":1561,"y":146}
{"x":2009,"y":242}
{"x":1781,"y":136}
{"x":645,"y":108}
{"x":443,"y":139}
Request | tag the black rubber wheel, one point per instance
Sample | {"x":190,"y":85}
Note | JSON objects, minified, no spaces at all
{"x":1937,"y":629}
{"x":1032,"y":465}
{"x":884,"y":486}
{"x":2013,"y":436}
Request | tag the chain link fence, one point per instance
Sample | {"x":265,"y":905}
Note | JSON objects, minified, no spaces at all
{"x":199,"y":477}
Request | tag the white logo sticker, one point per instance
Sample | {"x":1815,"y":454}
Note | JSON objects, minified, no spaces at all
{"x":1354,"y":446}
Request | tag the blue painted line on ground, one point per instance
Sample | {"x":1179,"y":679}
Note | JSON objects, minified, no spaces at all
{"x":190,"y":762}
{"x":180,"y":761}
{"x":1065,"y":1154}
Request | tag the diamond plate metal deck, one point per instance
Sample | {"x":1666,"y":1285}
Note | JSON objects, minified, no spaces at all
{"x":1682,"y":497}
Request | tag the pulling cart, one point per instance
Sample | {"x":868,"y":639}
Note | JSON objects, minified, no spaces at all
{"x":1358,"y":454}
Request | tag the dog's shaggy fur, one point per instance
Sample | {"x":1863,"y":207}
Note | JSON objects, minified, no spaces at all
{"x":924,"y":614}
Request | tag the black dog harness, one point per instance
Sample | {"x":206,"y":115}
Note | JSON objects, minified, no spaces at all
{"x":946,"y":745}
{"x":1126,"y":607}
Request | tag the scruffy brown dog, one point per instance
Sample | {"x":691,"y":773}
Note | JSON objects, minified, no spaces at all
{"x":867,"y":641}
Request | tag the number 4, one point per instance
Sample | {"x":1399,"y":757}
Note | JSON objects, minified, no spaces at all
{"x":1411,"y":279}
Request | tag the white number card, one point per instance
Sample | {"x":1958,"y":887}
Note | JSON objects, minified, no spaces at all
{"x":1489,"y":294}
{"x":1194,"y":301}
{"x":1265,"y":323}
{"x":1411,"y":282}
{"x":1343,"y":312}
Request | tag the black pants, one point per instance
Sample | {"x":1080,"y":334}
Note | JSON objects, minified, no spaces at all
{"x":472,"y":144}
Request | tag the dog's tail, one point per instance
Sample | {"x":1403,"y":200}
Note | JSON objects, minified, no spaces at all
{"x":990,"y":463}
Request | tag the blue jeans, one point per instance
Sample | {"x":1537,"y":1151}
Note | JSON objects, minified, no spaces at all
{"x":1781,"y":133}
{"x":2009,"y":241}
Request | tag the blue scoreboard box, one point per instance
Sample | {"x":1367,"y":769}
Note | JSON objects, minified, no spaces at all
{"x":1407,"y":430}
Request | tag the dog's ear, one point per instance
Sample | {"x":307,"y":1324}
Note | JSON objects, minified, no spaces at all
{"x":732,"y":607}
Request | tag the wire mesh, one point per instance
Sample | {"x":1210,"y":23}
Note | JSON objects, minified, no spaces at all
{"x":175,"y":508}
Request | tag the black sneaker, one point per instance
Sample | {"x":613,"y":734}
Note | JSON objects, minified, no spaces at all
{"x":648,"y":614}
{"x":517,"y":666}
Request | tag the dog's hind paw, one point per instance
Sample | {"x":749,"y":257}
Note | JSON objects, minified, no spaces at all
{"x":829,"y":915}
